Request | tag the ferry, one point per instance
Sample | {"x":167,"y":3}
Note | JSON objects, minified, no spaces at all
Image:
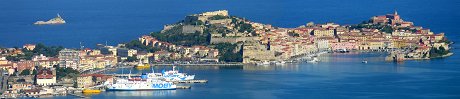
{"x":139,"y":83}
{"x":175,"y":75}
{"x":56,"y":20}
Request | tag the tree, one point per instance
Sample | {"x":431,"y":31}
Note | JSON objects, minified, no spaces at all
{"x":25,"y":72}
{"x":245,"y":27}
{"x":94,"y":79}
{"x":131,"y":59}
{"x":51,"y":51}
{"x":293,"y":34}
{"x":218,"y":17}
{"x":438,"y":52}
{"x":443,"y":50}
{"x":39,"y":49}
{"x":137,"y":45}
{"x":387,"y":29}
{"x":185,"y":39}
{"x":63,"y":72}
{"x":227,"y":52}
{"x":34,"y":72}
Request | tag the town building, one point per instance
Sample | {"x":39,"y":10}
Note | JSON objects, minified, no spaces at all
{"x":84,"y":81}
{"x":69,"y":58}
{"x":46,"y":77}
{"x":125,"y":52}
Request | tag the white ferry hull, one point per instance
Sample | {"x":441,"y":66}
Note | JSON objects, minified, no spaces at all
{"x":140,"y":87}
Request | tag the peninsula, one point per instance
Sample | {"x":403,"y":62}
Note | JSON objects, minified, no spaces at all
{"x":239,"y":40}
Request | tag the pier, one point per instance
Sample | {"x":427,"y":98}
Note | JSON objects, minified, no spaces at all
{"x":191,"y":81}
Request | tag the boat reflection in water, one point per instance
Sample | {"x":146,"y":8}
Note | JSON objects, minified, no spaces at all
{"x":90,"y":94}
{"x":141,"y":93}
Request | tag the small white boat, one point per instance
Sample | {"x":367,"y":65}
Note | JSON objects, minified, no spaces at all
{"x":263,"y":63}
{"x":365,"y":61}
{"x":280,"y":63}
{"x":313,"y":60}
{"x":175,"y":75}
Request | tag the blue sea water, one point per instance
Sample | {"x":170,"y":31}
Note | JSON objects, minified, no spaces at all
{"x":337,"y":76}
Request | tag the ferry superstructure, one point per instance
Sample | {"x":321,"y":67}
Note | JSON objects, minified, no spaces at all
{"x":175,"y":75}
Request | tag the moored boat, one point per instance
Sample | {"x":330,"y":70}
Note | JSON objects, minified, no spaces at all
{"x":134,"y":84}
{"x":141,"y":65}
{"x":91,"y":91}
{"x":313,"y":60}
{"x":175,"y":75}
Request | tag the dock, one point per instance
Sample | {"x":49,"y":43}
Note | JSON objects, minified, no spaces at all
{"x":183,"y":87}
{"x":191,"y":81}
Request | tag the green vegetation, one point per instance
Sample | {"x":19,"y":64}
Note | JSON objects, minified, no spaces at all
{"x":185,"y":39}
{"x":387,"y":29}
{"x":245,"y":27}
{"x":25,"y":56}
{"x":293,"y":34}
{"x":408,"y":29}
{"x":62,"y":72}
{"x":196,"y":22}
{"x":51,"y":51}
{"x":94,"y":79}
{"x":366,"y":25}
{"x":25,"y":72}
{"x":34,"y":72}
{"x":381,"y":27}
{"x":435,"y":52}
{"x":137,"y":45}
{"x":218,"y":17}
{"x":445,"y":40}
{"x":227,"y":52}
{"x":132,"y":59}
{"x":241,"y":25}
{"x":39,"y":49}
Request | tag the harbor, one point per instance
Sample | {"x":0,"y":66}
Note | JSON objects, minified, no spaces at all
{"x":239,"y":49}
